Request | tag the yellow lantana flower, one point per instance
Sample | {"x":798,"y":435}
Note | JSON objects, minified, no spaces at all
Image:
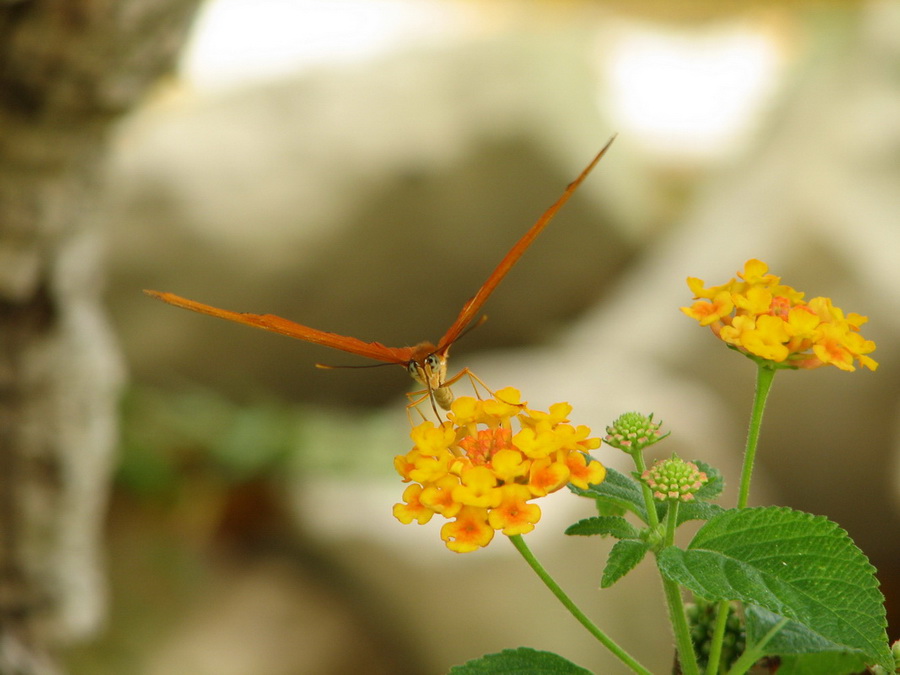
{"x":762,"y":318}
{"x":483,"y":467}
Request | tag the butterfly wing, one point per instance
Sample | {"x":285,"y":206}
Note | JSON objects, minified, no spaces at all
{"x":275,"y":324}
{"x":474,"y":304}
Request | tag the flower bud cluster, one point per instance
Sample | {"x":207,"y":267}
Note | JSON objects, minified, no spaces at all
{"x":633,"y":431}
{"x":674,"y":478}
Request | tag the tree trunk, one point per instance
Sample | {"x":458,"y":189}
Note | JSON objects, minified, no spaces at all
{"x":68,"y":70}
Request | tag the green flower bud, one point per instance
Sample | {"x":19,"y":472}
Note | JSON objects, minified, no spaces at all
{"x":674,"y":478}
{"x":633,"y":431}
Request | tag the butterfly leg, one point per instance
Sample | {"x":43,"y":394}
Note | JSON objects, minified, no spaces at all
{"x":475,"y":380}
{"x":413,"y":405}
{"x":423,"y":395}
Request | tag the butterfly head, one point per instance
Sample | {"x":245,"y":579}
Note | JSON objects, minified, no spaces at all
{"x":429,"y":368}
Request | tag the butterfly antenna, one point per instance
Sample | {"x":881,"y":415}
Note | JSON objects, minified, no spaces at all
{"x":468,"y":330}
{"x":326,"y":366}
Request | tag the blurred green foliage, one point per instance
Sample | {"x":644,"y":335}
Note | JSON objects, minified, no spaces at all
{"x":170,"y":435}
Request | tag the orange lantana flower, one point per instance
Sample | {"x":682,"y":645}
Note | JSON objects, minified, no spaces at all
{"x":762,"y":318}
{"x":479,"y":470}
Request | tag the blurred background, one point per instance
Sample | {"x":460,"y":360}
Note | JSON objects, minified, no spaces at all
{"x":360,"y":167}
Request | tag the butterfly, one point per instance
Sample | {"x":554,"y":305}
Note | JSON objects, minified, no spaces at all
{"x":426,"y":362}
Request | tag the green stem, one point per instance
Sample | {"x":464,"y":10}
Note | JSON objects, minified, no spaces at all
{"x":764,"y":377}
{"x":686,"y":656}
{"x":671,"y":521}
{"x":677,"y":616}
{"x":718,"y":636}
{"x":567,"y":602}
{"x":649,"y":504}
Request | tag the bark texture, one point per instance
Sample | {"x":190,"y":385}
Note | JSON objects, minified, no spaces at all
{"x":68,"y":70}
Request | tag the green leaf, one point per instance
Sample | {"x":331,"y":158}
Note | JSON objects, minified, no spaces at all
{"x":605,"y":508}
{"x":605,"y":526}
{"x":816,"y":664}
{"x":623,"y":557}
{"x":793,"y":638}
{"x":617,"y":490}
{"x":698,"y":511}
{"x":523,"y":661}
{"x":802,"y":652}
{"x":800,"y":566}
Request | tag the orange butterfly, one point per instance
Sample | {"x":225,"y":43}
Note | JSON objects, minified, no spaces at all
{"x":426,"y":362}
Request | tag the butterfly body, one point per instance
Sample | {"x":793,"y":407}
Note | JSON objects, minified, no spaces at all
{"x":426,"y":362}
{"x":428,"y":367}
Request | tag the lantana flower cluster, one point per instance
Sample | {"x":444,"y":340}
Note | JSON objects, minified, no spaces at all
{"x":482,"y":468}
{"x":764,"y":319}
